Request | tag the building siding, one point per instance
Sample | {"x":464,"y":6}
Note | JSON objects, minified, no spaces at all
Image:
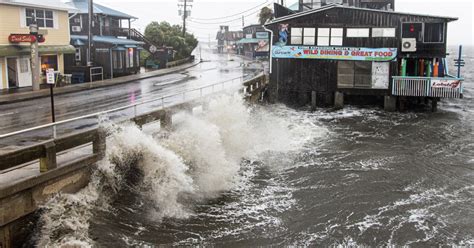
{"x":10,"y":22}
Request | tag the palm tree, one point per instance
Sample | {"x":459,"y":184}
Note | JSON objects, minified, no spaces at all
{"x":265,"y":15}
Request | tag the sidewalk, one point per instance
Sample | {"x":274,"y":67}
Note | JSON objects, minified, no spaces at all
{"x":6,"y":98}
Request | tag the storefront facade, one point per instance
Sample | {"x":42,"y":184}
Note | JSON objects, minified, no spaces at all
{"x":15,"y":63}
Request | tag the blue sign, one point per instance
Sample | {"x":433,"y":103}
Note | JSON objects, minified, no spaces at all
{"x":334,"y":53}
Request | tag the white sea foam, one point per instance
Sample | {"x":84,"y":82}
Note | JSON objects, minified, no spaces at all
{"x":199,"y":159}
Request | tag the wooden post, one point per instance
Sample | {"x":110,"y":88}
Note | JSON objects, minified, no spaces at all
{"x":48,"y":162}
{"x":434,"y":105}
{"x":166,"y":120}
{"x":99,"y":145}
{"x":313,"y":100}
{"x":390,"y":103}
{"x":338,"y":100}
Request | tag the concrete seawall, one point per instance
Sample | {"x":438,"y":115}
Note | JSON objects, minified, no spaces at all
{"x":47,"y":168}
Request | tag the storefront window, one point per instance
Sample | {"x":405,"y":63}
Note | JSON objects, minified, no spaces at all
{"x":129,"y":58}
{"x":117,"y":57}
{"x":49,"y":62}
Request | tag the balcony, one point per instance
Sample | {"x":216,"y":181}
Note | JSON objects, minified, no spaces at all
{"x":446,"y":87}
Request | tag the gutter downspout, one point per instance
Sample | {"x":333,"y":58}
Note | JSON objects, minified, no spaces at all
{"x":271,"y":46}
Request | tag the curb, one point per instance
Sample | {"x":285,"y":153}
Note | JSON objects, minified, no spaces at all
{"x":25,"y":96}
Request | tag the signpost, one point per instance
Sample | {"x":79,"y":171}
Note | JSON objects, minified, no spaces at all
{"x":459,"y":62}
{"x":50,"y":79}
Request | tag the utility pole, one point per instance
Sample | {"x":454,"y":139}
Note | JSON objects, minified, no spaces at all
{"x":90,"y":36}
{"x":243,"y":21}
{"x":184,"y":18}
{"x":35,"y":70}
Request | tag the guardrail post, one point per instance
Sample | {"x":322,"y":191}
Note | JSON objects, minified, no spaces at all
{"x":48,"y":162}
{"x":99,"y":145}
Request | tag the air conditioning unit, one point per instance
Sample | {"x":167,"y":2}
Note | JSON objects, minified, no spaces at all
{"x":76,"y":28}
{"x":409,"y":45}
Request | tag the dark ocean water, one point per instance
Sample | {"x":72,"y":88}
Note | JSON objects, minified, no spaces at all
{"x":355,"y":177}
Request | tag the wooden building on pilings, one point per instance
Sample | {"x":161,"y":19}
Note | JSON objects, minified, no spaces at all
{"x":337,"y":51}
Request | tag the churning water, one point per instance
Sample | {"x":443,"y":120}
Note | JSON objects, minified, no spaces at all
{"x":239,"y":176}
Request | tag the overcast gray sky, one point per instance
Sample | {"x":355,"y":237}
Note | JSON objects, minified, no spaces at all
{"x":460,"y":32}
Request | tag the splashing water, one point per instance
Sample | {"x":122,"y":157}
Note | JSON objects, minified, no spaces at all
{"x":198,"y":160}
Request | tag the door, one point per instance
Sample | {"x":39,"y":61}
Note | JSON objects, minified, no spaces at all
{"x":24,"y":72}
{"x":380,"y":75}
{"x":12,"y":72}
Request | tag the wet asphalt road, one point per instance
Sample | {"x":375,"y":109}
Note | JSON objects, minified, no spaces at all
{"x":32,"y":113}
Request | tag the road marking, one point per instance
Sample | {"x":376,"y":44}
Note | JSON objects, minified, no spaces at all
{"x":7,"y":114}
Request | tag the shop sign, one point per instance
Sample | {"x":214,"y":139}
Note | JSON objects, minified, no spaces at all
{"x":335,"y":53}
{"x":18,"y":38}
{"x":261,"y":35}
{"x":446,"y":83}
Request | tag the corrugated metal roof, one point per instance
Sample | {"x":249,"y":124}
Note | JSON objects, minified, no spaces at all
{"x":45,"y":4}
{"x":107,"y":39}
{"x":82,"y":7}
{"x":333,"y":6}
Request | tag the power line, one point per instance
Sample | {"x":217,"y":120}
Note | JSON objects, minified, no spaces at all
{"x":225,"y":17}
{"x":227,"y":21}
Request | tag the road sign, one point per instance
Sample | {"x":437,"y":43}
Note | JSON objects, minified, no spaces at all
{"x":50,"y":76}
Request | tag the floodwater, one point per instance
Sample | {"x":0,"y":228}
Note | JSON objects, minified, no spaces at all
{"x":271,"y":175}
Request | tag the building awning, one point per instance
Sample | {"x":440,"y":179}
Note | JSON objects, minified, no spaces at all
{"x":119,"y":49}
{"x":10,"y":50}
{"x":105,"y":39}
{"x":250,"y":41}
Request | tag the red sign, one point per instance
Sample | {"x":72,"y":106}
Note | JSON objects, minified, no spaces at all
{"x":18,"y":38}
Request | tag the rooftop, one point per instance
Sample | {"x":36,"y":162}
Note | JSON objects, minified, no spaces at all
{"x":46,"y":4}
{"x":82,"y":7}
{"x":335,"y":6}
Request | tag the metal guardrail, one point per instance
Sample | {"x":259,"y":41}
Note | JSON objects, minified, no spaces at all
{"x":214,"y":88}
{"x":447,"y":87}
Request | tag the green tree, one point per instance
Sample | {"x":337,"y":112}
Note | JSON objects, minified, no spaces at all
{"x":165,"y":34}
{"x":265,"y":15}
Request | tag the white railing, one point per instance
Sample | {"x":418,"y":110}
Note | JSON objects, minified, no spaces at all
{"x":447,"y":87}
{"x":185,"y":96}
{"x":96,"y":71}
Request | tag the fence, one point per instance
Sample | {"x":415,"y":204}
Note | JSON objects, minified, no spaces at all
{"x":448,"y":87}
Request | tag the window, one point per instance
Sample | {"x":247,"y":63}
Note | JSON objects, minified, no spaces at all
{"x":354,"y":74}
{"x":309,"y":35}
{"x":311,"y":4}
{"x":296,"y":36}
{"x":330,"y":36}
{"x":434,"y":33}
{"x":24,"y":65}
{"x":78,"y":54}
{"x":129,"y":58}
{"x":383,"y":32}
{"x":358,"y":32}
{"x":49,"y":62}
{"x":336,"y":36}
{"x":117,"y":59}
{"x":323,"y":36}
{"x":44,"y":18}
{"x":413,"y":30}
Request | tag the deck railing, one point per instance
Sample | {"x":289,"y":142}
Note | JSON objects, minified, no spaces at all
{"x":447,"y":87}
